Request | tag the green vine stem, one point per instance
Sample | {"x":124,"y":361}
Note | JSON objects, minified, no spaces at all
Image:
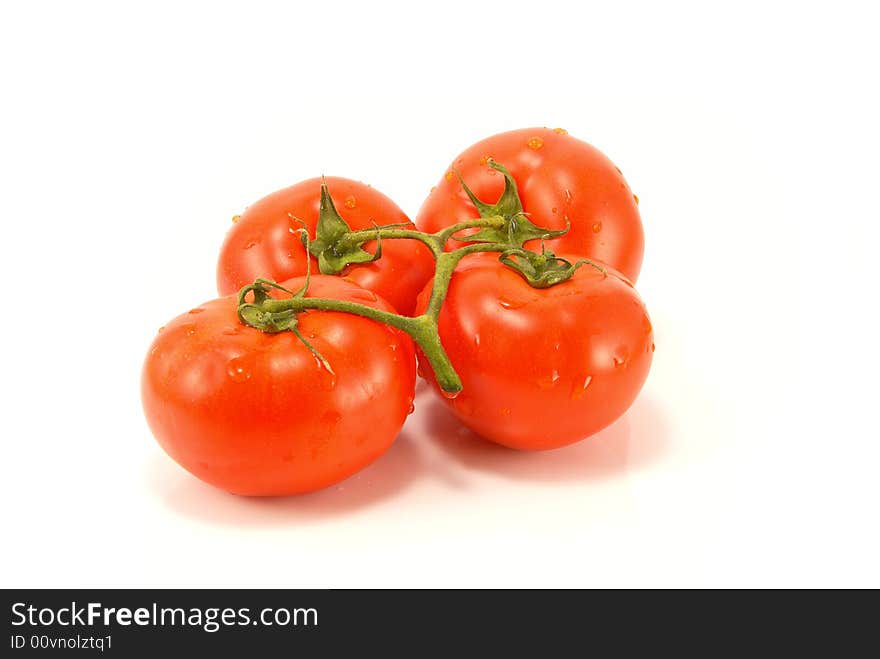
{"x":272,"y":315}
{"x":436,"y":242}
{"x":503,"y":228}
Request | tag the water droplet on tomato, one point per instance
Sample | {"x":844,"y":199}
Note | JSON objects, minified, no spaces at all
{"x":477,"y":340}
{"x":235,"y":218}
{"x":579,"y":388}
{"x":550,"y":380}
{"x":251,"y":244}
{"x":554,"y":210}
{"x":621,"y":355}
{"x":568,"y":196}
{"x":597,"y":227}
{"x":237,"y":370}
{"x":636,"y":198}
{"x":560,"y":131}
{"x":162,"y":329}
{"x":411,"y":408}
{"x":351,"y":201}
{"x":510,"y":304}
{"x":196,"y":310}
{"x":450,"y":395}
{"x":232,"y":331}
{"x":535,"y":143}
{"x":652,"y":347}
{"x":433,"y":187}
{"x":326,"y":368}
{"x":505,"y":411}
{"x":449,"y":175}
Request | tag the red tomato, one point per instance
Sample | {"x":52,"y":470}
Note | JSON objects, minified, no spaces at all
{"x":558,"y":177}
{"x":263,"y":241}
{"x":542,"y":368}
{"x":258,"y":414}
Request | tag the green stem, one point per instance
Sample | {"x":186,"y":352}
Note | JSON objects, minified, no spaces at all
{"x":298,"y":304}
{"x":482,"y":223}
{"x":270,"y":314}
{"x":446,"y":264}
{"x":428,"y":239}
{"x":427,"y":336}
{"x":422,"y":329}
{"x":436,"y":242}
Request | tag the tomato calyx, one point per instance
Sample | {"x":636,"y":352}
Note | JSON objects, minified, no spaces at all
{"x":335,"y":246}
{"x":262,"y":315}
{"x":257,"y":315}
{"x":543,"y":269}
{"x":516,"y":228}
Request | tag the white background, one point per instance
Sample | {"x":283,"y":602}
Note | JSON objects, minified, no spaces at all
{"x":131,"y":136}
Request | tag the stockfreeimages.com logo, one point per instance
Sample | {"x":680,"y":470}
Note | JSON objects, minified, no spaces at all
{"x":209,"y":619}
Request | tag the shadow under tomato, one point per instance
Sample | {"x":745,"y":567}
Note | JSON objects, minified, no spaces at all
{"x":186,"y":495}
{"x":638,"y":439}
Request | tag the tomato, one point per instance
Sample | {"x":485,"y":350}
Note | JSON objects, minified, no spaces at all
{"x":559,"y":178}
{"x":263,"y":241}
{"x":542,"y":367}
{"x":258,"y":414}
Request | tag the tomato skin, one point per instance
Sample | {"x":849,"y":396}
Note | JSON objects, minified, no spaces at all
{"x":256,"y":414}
{"x":542,"y":368}
{"x":263,"y":242}
{"x":558,"y":177}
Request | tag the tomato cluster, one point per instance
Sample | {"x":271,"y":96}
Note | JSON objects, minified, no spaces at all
{"x":304,"y":371}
